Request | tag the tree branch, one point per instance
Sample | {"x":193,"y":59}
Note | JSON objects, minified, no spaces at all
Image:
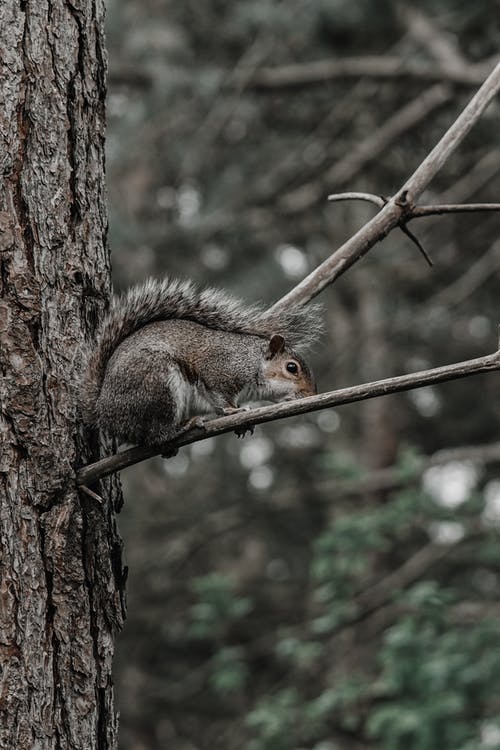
{"x":418,"y":211}
{"x":377,"y":200}
{"x":396,"y":211}
{"x":248,"y":419}
{"x":398,"y":206}
{"x":452,"y":208}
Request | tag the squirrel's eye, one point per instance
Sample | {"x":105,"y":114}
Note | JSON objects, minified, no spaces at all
{"x":292,"y":367}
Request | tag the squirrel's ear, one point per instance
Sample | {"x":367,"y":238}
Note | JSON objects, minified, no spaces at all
{"x":276,"y":345}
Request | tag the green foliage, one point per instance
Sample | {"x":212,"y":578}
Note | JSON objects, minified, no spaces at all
{"x":274,"y":721}
{"x":286,"y":719}
{"x":229,"y":670}
{"x":434,"y":680}
{"x":437,"y":676}
{"x":298,"y":652}
{"x":217,"y":606}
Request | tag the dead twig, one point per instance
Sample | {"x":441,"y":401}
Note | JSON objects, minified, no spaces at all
{"x":418,"y":212}
{"x":377,"y":200}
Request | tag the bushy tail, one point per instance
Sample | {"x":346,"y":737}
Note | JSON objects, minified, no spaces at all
{"x":174,"y":299}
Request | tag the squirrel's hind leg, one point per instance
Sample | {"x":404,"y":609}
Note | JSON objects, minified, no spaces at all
{"x":190,"y":424}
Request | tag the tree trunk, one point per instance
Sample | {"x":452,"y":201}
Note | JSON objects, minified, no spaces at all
{"x":61,"y":576}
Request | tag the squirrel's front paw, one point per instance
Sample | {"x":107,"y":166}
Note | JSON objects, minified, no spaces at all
{"x":234,"y":409}
{"x":191,"y":424}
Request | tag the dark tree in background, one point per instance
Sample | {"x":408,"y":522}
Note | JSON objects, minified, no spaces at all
{"x":60,"y":569}
{"x":332,"y":581}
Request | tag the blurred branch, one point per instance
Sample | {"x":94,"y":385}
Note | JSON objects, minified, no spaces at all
{"x":346,"y":168}
{"x":242,"y":420}
{"x":322,"y":71}
{"x":441,"y":46}
{"x":479,"y":272}
{"x":475,"y":177}
{"x":411,"y":570}
{"x":378,"y":610}
{"x":223,"y":108}
{"x":394,"y":478}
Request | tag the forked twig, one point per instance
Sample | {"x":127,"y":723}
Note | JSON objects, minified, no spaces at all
{"x":418,"y":211}
{"x":392,"y":213}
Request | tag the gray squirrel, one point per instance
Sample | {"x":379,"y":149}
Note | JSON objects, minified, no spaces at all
{"x":167,"y":350}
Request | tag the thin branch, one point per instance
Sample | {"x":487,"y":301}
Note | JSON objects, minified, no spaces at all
{"x":451,"y":208}
{"x":368,"y":197}
{"x":391,"y":214}
{"x":91,"y":493}
{"x":418,"y":211}
{"x":414,"y":239}
{"x":90,"y":474}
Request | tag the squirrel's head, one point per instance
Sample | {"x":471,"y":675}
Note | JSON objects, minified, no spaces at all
{"x":286,"y":375}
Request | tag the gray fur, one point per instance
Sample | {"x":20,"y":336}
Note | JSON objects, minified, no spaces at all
{"x":166,"y":348}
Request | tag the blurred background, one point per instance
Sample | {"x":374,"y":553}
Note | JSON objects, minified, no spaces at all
{"x":333,"y":581}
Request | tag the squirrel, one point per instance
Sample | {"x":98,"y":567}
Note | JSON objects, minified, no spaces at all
{"x":167,"y":348}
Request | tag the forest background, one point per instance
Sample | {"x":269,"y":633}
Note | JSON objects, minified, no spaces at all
{"x":331,"y":582}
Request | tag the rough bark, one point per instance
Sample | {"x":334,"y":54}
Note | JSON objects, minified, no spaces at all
{"x":61,"y":576}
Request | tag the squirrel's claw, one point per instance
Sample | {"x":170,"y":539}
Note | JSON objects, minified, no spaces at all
{"x":241,"y":431}
{"x":170,"y":452}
